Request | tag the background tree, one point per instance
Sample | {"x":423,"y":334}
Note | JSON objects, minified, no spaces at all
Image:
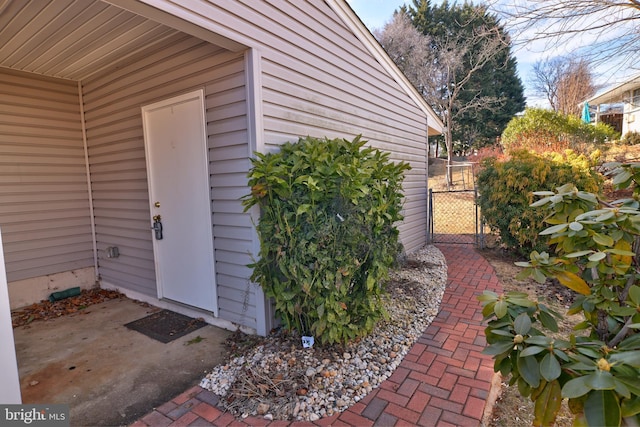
{"x":466,"y":71}
{"x":407,"y":47}
{"x":611,"y":27}
{"x":492,"y":89}
{"x":564,"y":82}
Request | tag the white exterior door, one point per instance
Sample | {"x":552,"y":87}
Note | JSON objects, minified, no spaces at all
{"x":178,"y":177}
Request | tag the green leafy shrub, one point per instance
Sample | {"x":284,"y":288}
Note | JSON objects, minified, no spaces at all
{"x":505,"y":191}
{"x":543,"y":130}
{"x":630,"y":138}
{"x":327,"y":234}
{"x":598,"y":368}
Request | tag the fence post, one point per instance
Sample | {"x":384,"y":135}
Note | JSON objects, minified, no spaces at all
{"x":430,"y":217}
{"x":479,"y":224}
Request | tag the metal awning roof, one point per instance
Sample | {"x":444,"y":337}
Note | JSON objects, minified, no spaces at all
{"x":616,"y":93}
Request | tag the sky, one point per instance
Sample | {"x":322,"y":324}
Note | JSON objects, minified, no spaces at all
{"x":375,"y":13}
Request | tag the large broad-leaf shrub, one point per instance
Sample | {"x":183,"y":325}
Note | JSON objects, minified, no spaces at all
{"x":597,"y":367}
{"x":544,"y":130}
{"x":505,"y":191}
{"x":327,"y":234}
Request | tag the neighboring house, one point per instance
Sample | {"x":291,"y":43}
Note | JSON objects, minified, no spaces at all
{"x":607,"y":105}
{"x":118,"y":115}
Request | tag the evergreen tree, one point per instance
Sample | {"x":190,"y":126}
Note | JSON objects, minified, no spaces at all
{"x":497,"y":79}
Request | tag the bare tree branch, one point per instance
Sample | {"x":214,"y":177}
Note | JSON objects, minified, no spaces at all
{"x":545,"y":81}
{"x":611,"y":27}
{"x":441,"y":67}
{"x":565,"y":82}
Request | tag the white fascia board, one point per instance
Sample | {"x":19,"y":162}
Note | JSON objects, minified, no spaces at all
{"x":614,"y":95}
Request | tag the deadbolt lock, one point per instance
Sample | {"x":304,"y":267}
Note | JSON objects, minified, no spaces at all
{"x":156,"y":204}
{"x":157,"y":227}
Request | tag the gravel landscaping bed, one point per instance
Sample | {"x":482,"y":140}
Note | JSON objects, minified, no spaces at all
{"x":279,"y":379}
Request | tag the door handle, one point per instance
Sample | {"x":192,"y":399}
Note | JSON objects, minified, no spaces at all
{"x":157,"y":227}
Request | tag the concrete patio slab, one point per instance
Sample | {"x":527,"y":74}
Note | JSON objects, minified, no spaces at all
{"x":107,"y":373}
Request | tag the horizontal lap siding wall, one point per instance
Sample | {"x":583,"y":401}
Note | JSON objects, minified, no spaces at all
{"x":44,"y":199}
{"x":118,"y":170}
{"x":318,"y":79}
{"x":325,"y":83}
{"x":232,"y":228}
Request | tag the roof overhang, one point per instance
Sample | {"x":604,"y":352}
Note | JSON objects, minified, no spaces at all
{"x":73,"y":40}
{"x":615,"y":94}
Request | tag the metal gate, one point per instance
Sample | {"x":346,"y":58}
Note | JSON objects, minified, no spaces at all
{"x":454,"y":217}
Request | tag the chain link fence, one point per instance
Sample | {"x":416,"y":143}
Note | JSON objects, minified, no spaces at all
{"x":454,"y":216}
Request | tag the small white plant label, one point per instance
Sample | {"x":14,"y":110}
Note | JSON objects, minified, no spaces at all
{"x":307,"y":342}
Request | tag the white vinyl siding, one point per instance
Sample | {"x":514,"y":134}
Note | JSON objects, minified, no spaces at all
{"x":228,"y":142}
{"x":117,"y":163}
{"x":320,"y":80}
{"x":44,"y":214}
{"x":329,"y":85}
{"x":304,"y":72}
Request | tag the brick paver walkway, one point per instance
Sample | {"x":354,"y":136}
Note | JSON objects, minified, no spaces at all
{"x":443,"y":381}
